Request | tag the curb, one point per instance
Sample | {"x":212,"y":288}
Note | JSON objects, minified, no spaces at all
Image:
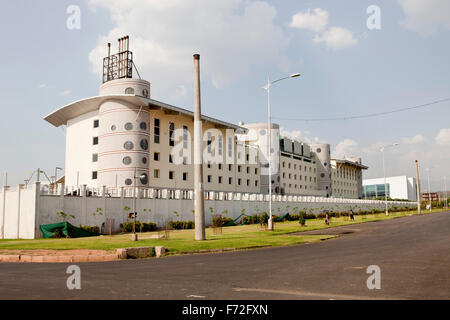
{"x":58,"y":259}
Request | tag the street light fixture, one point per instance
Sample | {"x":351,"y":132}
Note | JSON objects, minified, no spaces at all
{"x":384,"y":173}
{"x":269,"y":151}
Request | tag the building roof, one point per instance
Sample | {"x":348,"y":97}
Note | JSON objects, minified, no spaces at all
{"x":350,"y":163}
{"x":77,"y":108}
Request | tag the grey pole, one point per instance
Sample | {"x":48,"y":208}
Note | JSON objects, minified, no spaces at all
{"x":385,"y":186}
{"x":199,"y":204}
{"x":445,"y":192}
{"x":419,"y":199}
{"x":269,"y":153}
{"x":429,"y":189}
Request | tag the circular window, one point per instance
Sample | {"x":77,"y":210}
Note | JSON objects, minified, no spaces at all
{"x":128,"y":145}
{"x":322,"y":175}
{"x":262,"y":132}
{"x":128,"y":126}
{"x":129,"y":91}
{"x":113,"y":127}
{"x":144,"y":178}
{"x":144,"y":144}
{"x":128,"y":182}
{"x":126,"y":160}
{"x":144,"y":160}
{"x":143,"y":126}
{"x":319,"y":150}
{"x":325,"y":164}
{"x":145,"y":93}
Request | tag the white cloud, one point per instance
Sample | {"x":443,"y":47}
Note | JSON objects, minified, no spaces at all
{"x":43,"y":85}
{"x":345,"y":148}
{"x":418,"y":138}
{"x":425,"y":17}
{"x":230,"y":35}
{"x":298,"y":135}
{"x":65,"y":93}
{"x":315,"y":21}
{"x":336,"y":38}
{"x":443,"y":137}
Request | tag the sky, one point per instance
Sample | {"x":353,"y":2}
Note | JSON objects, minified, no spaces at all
{"x":355,"y":58}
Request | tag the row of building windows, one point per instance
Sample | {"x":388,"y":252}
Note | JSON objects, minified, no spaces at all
{"x":299,"y":167}
{"x":299,"y":177}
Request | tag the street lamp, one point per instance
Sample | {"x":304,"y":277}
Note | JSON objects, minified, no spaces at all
{"x":269,"y":151}
{"x":133,"y":215}
{"x":384,"y":173}
{"x":429,"y":189}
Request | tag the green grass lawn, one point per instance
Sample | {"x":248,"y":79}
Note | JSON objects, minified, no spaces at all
{"x":183,"y":240}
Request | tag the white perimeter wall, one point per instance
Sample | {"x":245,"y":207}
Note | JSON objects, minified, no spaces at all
{"x":22,"y":218}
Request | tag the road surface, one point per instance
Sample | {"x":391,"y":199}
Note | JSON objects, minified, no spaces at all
{"x":413,"y":254}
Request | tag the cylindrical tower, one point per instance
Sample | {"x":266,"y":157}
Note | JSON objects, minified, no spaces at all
{"x":124,"y":136}
{"x":322,"y":152}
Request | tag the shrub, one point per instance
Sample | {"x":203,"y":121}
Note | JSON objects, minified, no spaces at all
{"x":226,"y":221}
{"x":140,"y":226}
{"x":217,"y":220}
{"x":301,"y":219}
{"x":92,"y":229}
{"x":178,"y":225}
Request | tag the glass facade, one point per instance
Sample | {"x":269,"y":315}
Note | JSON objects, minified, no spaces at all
{"x":375,"y":191}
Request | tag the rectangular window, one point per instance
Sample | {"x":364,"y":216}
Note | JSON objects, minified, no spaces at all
{"x":248,"y":182}
{"x":230,"y":167}
{"x":170,"y":158}
{"x":95,"y":157}
{"x":239,"y":181}
{"x":171,"y":135}
{"x":230,"y":147}
{"x":96,"y":123}
{"x":95,"y":141}
{"x":185,"y":176}
{"x":256,"y":170}
{"x":156,"y":131}
{"x":248,"y":170}
{"x":220,"y":179}
{"x":220,"y":144}
{"x":209,"y":165}
{"x":185,"y":137}
{"x":156,"y":156}
{"x":256,"y":183}
{"x":171,"y":175}
{"x":184,"y":160}
{"x":94,"y":175}
{"x":156,"y":173}
{"x":239,"y":168}
{"x":230,"y":180}
{"x":247,"y":156}
{"x":220,"y":166}
{"x":209,"y":178}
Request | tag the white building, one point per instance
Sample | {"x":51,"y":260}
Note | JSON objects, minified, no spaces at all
{"x":124,"y":138}
{"x":401,"y":187}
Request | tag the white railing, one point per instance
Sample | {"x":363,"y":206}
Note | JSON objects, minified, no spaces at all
{"x":188,"y":194}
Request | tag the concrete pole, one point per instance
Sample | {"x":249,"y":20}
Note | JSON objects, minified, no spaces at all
{"x":199,"y":204}
{"x":419,"y":199}
{"x":445,"y":192}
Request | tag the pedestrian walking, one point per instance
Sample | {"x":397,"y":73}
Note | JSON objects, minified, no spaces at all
{"x":327,"y":219}
{"x":352,"y":218}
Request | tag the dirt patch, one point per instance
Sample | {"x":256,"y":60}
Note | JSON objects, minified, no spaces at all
{"x":42,"y":252}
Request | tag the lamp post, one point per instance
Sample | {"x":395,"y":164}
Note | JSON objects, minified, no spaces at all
{"x":269,"y":151}
{"x":384,"y":173}
{"x":445,"y":192}
{"x":429,"y":189}
{"x":56,"y":176}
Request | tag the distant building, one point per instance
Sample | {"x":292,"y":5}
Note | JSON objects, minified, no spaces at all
{"x":401,"y":187}
{"x":433,"y":195}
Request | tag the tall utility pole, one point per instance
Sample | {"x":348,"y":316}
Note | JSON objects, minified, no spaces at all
{"x":384,"y":173}
{"x":419,"y":199}
{"x":199,"y":204}
{"x":445,"y":192}
{"x":429,"y":189}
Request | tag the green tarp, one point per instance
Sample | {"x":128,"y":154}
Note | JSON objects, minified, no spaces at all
{"x":279,"y":219}
{"x":70,"y":231}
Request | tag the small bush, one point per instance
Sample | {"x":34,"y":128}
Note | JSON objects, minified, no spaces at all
{"x":302,"y":220}
{"x":180,"y":225}
{"x":140,"y":226}
{"x":92,"y":229}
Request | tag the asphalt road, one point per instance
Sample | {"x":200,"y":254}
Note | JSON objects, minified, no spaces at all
{"x":413,"y":254}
